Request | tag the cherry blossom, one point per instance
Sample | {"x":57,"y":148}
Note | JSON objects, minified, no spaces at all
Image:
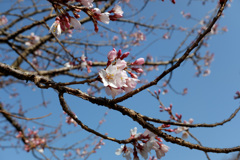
{"x":125,"y":151}
{"x":143,"y":144}
{"x":103,"y":17}
{"x":56,"y":28}
{"x":184,"y":129}
{"x":118,"y":13}
{"x":33,"y":39}
{"x":112,"y":55}
{"x":133,"y":133}
{"x":115,"y":78}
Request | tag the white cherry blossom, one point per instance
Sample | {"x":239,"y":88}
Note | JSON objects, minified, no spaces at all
{"x":56,"y":28}
{"x":125,"y":151}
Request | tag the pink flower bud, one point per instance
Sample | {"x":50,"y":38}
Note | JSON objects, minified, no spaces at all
{"x":133,"y":75}
{"x":166,"y":125}
{"x":190,"y":120}
{"x":169,"y":130}
{"x":119,"y":53}
{"x":179,"y":116}
{"x":138,"y":70}
{"x":139,"y":61}
{"x":124,"y":55}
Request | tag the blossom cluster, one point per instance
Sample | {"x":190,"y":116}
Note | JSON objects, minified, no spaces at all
{"x":143,"y":144}
{"x":82,"y":62}
{"x":115,"y":76}
{"x":64,"y":21}
{"x":183,"y":130}
{"x":32,"y":140}
{"x":33,"y":39}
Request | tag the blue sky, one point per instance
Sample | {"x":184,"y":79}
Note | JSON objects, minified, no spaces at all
{"x":209,"y":99}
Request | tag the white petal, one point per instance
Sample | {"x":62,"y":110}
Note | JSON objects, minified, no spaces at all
{"x":75,"y":23}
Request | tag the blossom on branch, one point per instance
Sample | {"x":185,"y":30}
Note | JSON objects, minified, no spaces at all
{"x":118,"y":13}
{"x":125,"y":151}
{"x":184,"y":129}
{"x":143,"y":144}
{"x":103,"y":17}
{"x":115,"y":78}
{"x":64,"y":20}
{"x":56,"y":28}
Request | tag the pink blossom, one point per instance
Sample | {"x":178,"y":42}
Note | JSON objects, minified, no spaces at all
{"x":131,"y":84}
{"x":121,"y":64}
{"x":112,"y":55}
{"x":3,"y":20}
{"x":114,"y":77}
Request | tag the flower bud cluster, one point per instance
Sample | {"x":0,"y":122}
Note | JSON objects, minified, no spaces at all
{"x":115,"y":76}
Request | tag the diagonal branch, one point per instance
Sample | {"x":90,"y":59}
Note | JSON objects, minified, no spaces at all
{"x":179,"y":62}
